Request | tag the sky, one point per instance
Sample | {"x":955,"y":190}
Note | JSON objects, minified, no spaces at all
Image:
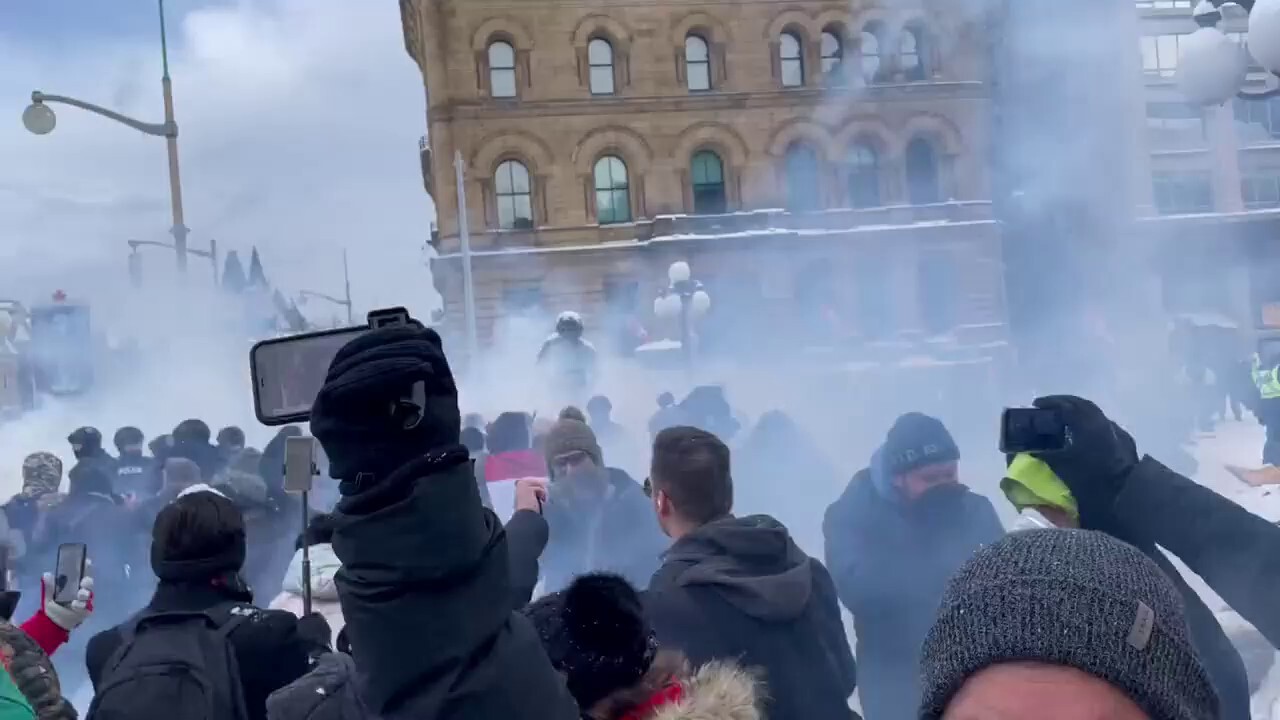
{"x":299,"y":126}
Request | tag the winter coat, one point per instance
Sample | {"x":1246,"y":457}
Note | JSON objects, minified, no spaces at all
{"x":671,"y":691}
{"x":33,"y":676}
{"x":527,"y":535}
{"x":425,"y":588}
{"x":272,"y":650}
{"x":619,"y":534}
{"x":499,"y":473}
{"x":891,"y":564}
{"x":13,"y":706}
{"x":208,"y":457}
{"x":328,"y":692}
{"x":739,"y":589}
{"x":324,"y":589}
{"x":1236,"y":552}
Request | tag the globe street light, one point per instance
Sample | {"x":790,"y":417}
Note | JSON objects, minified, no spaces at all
{"x":1212,"y":68}
{"x":40,"y":119}
{"x":684,"y":298}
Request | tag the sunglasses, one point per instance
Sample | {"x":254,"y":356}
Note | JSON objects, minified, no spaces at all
{"x":568,"y":461}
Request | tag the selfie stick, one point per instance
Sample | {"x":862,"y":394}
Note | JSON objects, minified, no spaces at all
{"x":299,"y":469}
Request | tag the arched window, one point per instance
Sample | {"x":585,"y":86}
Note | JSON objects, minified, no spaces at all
{"x":697,"y":62}
{"x":600,"y":61}
{"x":922,"y":172}
{"x":514,"y":195}
{"x":911,"y":54}
{"x":613,"y":193}
{"x":832,"y":52}
{"x":802,"y":178}
{"x":791,"y":59}
{"x":869,"y":52}
{"x":864,"y":176}
{"x":502,"y":70}
{"x":707,"y":174}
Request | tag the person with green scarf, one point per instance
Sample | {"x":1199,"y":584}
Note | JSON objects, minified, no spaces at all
{"x":1032,"y":486}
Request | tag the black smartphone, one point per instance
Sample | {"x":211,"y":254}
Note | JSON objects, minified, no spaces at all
{"x":1032,"y":430}
{"x":288,"y":372}
{"x":69,"y":572}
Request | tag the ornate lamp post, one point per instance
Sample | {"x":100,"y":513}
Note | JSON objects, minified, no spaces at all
{"x":684,"y":298}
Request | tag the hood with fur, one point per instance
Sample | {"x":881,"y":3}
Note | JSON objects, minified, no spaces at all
{"x":324,"y":567}
{"x":716,"y":691}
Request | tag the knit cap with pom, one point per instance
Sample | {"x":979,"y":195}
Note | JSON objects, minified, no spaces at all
{"x":596,"y":635}
{"x":571,"y":434}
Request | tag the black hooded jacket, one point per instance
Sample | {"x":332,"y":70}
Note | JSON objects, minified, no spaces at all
{"x":740,"y":589}
{"x":426,"y":594}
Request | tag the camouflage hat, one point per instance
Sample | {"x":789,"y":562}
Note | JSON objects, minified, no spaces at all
{"x":41,"y":473}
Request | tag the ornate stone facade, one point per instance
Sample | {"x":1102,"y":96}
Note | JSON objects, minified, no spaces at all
{"x":601,"y":140}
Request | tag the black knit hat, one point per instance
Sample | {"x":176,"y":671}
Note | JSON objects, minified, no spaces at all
{"x":596,"y":635}
{"x":197,"y":537}
{"x":916,"y":440}
{"x":1073,"y":598}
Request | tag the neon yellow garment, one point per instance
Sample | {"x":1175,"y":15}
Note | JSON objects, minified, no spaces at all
{"x":1029,"y":482}
{"x":1267,"y":381}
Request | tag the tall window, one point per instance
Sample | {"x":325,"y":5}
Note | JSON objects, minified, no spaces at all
{"x":922,"y":173}
{"x":707,"y":173}
{"x":697,"y":63}
{"x":832,"y":52}
{"x":1160,"y":55}
{"x":1182,"y":193}
{"x":911,"y":54}
{"x":502,"y":70}
{"x":802,"y":178}
{"x":1175,"y":126}
{"x":869,"y":52}
{"x":514,"y":194}
{"x":791,"y":59}
{"x":864,"y":176}
{"x":613,"y":193}
{"x":600,"y":61}
{"x":1260,"y":190}
{"x":1257,"y":120}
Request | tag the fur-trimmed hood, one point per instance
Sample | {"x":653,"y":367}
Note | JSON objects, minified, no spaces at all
{"x":716,"y":691}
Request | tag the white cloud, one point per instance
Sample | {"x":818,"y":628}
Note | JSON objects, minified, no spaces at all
{"x":299,"y":126}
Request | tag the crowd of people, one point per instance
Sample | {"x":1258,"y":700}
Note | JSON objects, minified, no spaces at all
{"x":510,"y":569}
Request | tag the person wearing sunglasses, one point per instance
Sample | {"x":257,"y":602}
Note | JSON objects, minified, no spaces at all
{"x":598,"y":516}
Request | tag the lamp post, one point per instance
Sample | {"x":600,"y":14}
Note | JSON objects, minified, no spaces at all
{"x":344,"y":301}
{"x":39,"y":118}
{"x":684,"y":298}
{"x":1213,"y":68}
{"x":211,"y":253}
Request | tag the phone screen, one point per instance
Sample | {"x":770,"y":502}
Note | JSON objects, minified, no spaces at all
{"x":1032,"y":430}
{"x":69,"y":572}
{"x":289,"y":372}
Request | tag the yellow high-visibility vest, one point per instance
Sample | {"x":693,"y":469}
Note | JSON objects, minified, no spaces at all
{"x":1267,"y":381}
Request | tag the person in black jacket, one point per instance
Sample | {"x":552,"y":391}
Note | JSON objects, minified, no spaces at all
{"x":600,"y":519}
{"x":425,"y":581}
{"x":1236,"y":552}
{"x":740,"y":589}
{"x":191,"y":441}
{"x":86,"y":445}
{"x":901,"y":529}
{"x":135,"y":473}
{"x":197,"y":551}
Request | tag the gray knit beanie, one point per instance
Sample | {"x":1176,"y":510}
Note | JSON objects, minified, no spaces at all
{"x":1068,"y":597}
{"x":571,"y":433}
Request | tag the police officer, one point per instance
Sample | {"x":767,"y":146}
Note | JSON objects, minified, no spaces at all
{"x":1266,"y":378}
{"x":135,"y":472}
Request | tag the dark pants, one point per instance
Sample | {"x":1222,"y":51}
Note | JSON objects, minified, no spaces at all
{"x":1270,"y":417}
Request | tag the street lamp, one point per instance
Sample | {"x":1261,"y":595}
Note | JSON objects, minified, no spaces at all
{"x":303,"y":295}
{"x":40,"y":119}
{"x":1213,"y":68}
{"x":211,"y":253}
{"x":684,"y":298}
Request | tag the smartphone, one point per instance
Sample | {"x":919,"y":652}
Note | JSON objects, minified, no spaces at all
{"x":1032,"y":430}
{"x":69,"y":572}
{"x":299,"y":464}
{"x":288,"y":372}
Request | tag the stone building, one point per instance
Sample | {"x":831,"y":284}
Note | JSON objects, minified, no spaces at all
{"x":821,"y":165}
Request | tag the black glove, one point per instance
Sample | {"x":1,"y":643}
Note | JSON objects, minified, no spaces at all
{"x":1098,"y":460}
{"x":355,"y":415}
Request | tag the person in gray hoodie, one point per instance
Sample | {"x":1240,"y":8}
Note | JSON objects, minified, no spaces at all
{"x":903,"y":526}
{"x":740,"y":589}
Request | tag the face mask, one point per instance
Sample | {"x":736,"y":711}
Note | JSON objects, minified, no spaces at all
{"x":940,"y":500}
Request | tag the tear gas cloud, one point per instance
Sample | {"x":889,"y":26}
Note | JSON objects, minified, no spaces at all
{"x":299,"y":127}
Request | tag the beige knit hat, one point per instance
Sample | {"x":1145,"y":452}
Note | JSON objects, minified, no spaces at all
{"x":571,"y":434}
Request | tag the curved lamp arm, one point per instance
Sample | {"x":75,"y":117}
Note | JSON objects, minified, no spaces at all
{"x":167,"y":129}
